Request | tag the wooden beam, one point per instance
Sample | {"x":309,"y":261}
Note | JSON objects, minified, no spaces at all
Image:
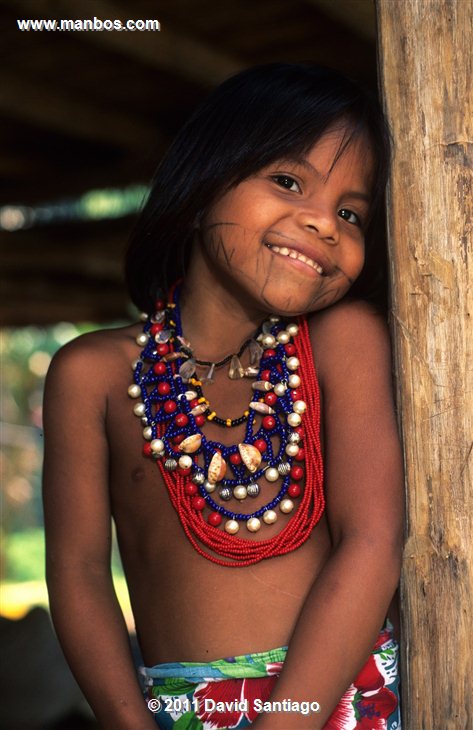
{"x":426,"y":67}
{"x":58,"y":110}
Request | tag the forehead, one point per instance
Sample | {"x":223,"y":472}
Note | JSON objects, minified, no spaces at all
{"x":338,"y":152}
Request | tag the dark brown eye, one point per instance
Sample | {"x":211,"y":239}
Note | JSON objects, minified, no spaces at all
{"x":287,"y":182}
{"x":349,"y":216}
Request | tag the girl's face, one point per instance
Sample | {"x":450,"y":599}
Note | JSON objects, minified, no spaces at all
{"x":290,"y":239}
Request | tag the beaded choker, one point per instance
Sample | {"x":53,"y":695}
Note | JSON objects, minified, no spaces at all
{"x":203,"y":476}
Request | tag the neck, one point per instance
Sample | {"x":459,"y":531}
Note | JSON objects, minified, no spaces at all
{"x":214,"y":318}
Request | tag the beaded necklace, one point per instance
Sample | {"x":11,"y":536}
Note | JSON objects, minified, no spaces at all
{"x":202,"y":476}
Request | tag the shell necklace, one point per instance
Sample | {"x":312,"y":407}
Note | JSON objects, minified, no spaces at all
{"x":202,"y":476}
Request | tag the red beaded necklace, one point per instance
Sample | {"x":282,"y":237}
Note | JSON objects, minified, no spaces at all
{"x":215,"y":544}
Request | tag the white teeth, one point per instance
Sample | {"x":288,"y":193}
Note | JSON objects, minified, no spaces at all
{"x":299,"y":256}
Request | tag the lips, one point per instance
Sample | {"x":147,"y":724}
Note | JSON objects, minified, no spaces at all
{"x":292,"y":253}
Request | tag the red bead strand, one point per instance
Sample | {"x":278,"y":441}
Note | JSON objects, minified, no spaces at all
{"x":237,"y":551}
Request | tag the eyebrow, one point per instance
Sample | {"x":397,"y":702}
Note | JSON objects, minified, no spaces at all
{"x":295,"y":159}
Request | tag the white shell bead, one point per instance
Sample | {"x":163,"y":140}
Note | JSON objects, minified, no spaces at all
{"x":232,"y":527}
{"x":142,"y":339}
{"x":299,"y":407}
{"x":269,"y":341}
{"x":250,"y":456}
{"x":185,"y":462}
{"x":240,"y":492}
{"x":292,"y":449}
{"x":292,"y":363}
{"x":294,"y":419}
{"x":271,"y":474}
{"x":191,"y":443}
{"x":293,"y":329}
{"x":286,"y":506}
{"x":135,"y":364}
{"x":139,"y":409}
{"x":294,"y":438}
{"x":280,"y":389}
{"x":134,"y":391}
{"x":262,"y":385}
{"x":148,"y":433}
{"x":270,"y":517}
{"x":157,"y":446}
{"x":294,"y":381}
{"x":143,"y":316}
{"x":217,"y":468}
{"x":253,"y":524}
{"x":261,"y":408}
{"x":283,"y":337}
{"x":199,"y":409}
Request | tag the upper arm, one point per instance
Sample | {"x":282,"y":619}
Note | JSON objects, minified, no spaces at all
{"x":75,"y":476}
{"x":363,"y":462}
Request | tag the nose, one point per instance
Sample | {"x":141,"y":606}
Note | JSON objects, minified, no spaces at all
{"x":321,"y":222}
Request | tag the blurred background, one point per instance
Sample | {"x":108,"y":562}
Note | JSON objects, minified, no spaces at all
{"x":85,"y":117}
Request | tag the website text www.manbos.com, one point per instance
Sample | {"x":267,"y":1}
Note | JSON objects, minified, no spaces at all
{"x":87,"y":24}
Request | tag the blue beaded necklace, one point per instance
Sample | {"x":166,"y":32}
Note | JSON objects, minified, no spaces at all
{"x":172,"y":409}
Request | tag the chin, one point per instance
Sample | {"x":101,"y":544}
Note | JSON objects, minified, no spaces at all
{"x":288,"y":303}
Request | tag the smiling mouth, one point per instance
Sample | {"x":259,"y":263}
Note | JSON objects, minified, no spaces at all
{"x":292,"y":254}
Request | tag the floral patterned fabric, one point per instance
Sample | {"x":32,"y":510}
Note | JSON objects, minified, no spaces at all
{"x":230,"y":693}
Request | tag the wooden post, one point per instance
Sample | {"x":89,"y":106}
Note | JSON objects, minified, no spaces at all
{"x":426,"y":72}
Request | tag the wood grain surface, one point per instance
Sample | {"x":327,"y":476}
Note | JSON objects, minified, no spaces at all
{"x":426,"y":72}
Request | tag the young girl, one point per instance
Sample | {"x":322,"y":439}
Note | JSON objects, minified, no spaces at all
{"x":249,"y":459}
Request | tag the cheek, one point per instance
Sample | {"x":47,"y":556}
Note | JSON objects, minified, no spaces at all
{"x":356,"y":260}
{"x":232,"y":244}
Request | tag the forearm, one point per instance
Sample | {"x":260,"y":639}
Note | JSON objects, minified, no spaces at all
{"x":336,"y":630}
{"x":93,"y":635}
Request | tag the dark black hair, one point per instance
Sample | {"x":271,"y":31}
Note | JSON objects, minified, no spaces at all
{"x":254,"y":118}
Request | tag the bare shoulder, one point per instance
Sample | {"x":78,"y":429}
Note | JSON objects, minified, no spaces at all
{"x":93,"y":361}
{"x":349,"y":338}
